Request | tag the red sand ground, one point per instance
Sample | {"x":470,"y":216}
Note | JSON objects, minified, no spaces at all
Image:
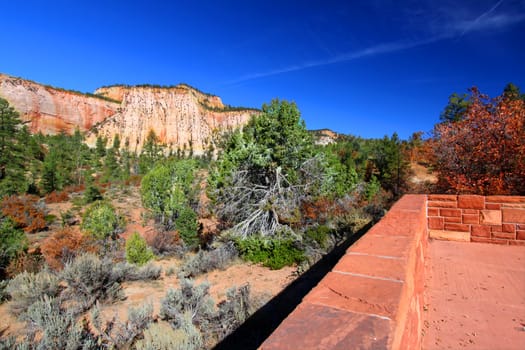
{"x":474,"y":296}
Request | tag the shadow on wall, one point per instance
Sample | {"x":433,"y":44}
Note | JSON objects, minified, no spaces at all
{"x":252,"y":333}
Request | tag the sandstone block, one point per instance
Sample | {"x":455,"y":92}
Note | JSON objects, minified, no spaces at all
{"x":433,"y":212}
{"x":442,"y":197}
{"x":459,"y":236}
{"x":513,"y":215}
{"x":493,"y":206}
{"x":470,"y":218}
{"x":457,"y":227}
{"x":504,"y":235}
{"x":436,"y":223}
{"x":480,"y":231}
{"x":450,"y":212}
{"x":471,"y":202}
{"x":442,"y":204}
{"x":490,"y":217}
{"x":511,"y":228}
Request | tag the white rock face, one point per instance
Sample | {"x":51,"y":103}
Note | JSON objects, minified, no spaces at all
{"x":181,"y":117}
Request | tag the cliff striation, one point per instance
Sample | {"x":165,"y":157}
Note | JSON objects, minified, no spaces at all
{"x":50,"y":110}
{"x":181,"y":116}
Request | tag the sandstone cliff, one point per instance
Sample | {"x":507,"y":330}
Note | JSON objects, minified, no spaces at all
{"x":50,"y":110}
{"x":182,"y":117}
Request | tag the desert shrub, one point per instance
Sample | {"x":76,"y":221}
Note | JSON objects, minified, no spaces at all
{"x":319,"y":234}
{"x":170,"y":271}
{"x":12,"y":242}
{"x":67,"y":218}
{"x":57,"y":197}
{"x":159,"y":336}
{"x":4,"y":295}
{"x":120,"y":335}
{"x":188,"y":226}
{"x":57,"y":327}
{"x":27,"y":213}
{"x":26,"y":261}
{"x":63,"y":246}
{"x":166,"y":243}
{"x":26,"y":288}
{"x":128,"y":272}
{"x":92,"y":194}
{"x":101,"y":221}
{"x":89,"y":279}
{"x":137,"y":250}
{"x":208,"y":260}
{"x":188,"y":298}
{"x":233,"y":311}
{"x":272,"y":253}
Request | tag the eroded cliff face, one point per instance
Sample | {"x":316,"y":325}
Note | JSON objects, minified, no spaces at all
{"x":51,"y":111}
{"x":180,"y":116}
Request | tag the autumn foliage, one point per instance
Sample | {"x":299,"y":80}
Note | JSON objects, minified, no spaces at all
{"x":483,"y":152}
{"x":25,"y":211}
{"x":64,"y":245}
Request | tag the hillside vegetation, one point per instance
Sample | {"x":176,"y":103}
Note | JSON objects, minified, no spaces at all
{"x":271,"y":196}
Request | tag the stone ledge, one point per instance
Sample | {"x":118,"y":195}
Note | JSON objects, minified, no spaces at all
{"x":372,"y":299}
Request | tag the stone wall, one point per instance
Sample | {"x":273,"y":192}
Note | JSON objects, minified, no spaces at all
{"x":373,"y":298}
{"x":487,"y":219}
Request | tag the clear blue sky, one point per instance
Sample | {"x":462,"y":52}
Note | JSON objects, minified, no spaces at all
{"x":366,"y":68}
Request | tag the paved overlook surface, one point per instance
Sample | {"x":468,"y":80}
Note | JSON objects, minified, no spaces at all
{"x":474,"y":296}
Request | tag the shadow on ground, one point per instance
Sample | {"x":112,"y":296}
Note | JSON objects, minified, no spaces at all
{"x":252,"y":333}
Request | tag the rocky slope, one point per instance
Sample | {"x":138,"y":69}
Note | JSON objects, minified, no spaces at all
{"x":181,"y":116}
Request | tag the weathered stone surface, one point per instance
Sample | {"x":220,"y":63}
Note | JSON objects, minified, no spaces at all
{"x":459,"y":236}
{"x":471,"y":202}
{"x":457,"y":227}
{"x":324,"y":328}
{"x":371,"y":296}
{"x":436,"y":223}
{"x":490,"y":217}
{"x":480,"y":231}
{"x":470,"y":218}
{"x":372,"y":266}
{"x":442,"y":204}
{"x":513,"y":215}
{"x":450,"y":212}
{"x":181,"y":118}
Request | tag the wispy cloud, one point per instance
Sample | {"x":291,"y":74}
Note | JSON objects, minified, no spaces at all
{"x":468,"y":26}
{"x":450,"y":29}
{"x":350,"y":56}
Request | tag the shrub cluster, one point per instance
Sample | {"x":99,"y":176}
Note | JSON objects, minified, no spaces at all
{"x":26,"y":211}
{"x":272,"y":253}
{"x":101,"y":221}
{"x":137,"y":250}
{"x":208,"y":260}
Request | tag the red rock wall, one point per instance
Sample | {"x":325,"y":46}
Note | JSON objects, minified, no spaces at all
{"x":488,"y":219}
{"x":373,"y":298}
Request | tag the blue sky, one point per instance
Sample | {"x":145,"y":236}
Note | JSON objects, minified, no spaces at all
{"x":368,"y":68}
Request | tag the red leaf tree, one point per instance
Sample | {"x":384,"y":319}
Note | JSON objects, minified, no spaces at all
{"x":484,"y":151}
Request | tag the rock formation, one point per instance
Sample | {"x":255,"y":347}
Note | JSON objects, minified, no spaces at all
{"x":50,"y":110}
{"x":182,"y":117}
